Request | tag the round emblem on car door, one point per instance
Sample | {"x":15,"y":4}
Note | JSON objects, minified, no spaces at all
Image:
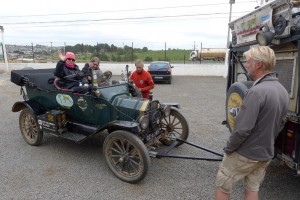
{"x":64,"y":100}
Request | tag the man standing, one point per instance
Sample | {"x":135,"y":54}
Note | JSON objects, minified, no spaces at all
{"x":250,"y":147}
{"x":142,"y":79}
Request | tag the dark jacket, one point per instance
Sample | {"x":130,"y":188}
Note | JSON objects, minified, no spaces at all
{"x":70,"y":77}
{"x":259,"y":120}
{"x":88,"y":71}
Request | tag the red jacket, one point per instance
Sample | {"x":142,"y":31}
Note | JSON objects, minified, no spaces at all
{"x":143,"y":81}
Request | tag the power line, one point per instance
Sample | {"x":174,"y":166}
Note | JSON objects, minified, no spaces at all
{"x":116,"y":22}
{"x":126,"y":10}
{"x":116,"y":19}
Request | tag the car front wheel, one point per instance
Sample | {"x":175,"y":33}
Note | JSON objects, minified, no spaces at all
{"x":174,"y":126}
{"x":126,"y":156}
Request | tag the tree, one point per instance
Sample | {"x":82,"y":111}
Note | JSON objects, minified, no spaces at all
{"x":113,"y":48}
{"x":119,"y":59}
{"x":145,"y":49}
{"x":103,"y":57}
{"x":113,"y":58}
{"x":128,"y":56}
{"x":148,"y":59}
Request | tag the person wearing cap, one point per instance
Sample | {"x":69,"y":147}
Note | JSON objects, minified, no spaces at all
{"x":70,"y":74}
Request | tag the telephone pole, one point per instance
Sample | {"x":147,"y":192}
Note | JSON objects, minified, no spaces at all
{"x":51,"y":51}
{"x":228,"y":34}
{"x":4,"y":48}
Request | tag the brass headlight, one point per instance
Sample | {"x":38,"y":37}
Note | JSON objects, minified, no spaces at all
{"x":144,"y":122}
{"x":154,"y":104}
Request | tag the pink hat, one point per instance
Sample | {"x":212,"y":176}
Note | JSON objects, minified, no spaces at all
{"x":70,"y":55}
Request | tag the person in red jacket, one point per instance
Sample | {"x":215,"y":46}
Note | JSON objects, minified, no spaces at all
{"x":142,"y":79}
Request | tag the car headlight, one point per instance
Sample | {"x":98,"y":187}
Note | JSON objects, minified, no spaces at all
{"x":154,"y":104}
{"x":144,"y":122}
{"x":167,"y":110}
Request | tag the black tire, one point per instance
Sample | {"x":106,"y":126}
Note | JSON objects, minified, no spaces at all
{"x":126,"y":155}
{"x":175,"y":124}
{"x":29,"y":127}
{"x":234,"y":99}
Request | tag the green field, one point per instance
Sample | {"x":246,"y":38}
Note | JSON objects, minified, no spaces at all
{"x":148,"y":56}
{"x":170,"y":55}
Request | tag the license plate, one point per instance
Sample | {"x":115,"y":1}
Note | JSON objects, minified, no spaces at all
{"x":158,"y":77}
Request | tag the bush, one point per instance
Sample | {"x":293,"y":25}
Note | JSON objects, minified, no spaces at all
{"x":103,"y":57}
{"x":148,"y":59}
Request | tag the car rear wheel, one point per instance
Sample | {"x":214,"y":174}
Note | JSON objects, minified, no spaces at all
{"x":30,"y":128}
{"x":126,"y":156}
{"x":174,"y":126}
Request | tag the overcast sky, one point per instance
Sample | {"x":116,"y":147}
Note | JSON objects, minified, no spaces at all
{"x":180,"y":24}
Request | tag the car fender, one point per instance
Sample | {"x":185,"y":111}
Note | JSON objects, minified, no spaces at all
{"x":176,"y":105}
{"x":35,"y":107}
{"x":132,"y":127}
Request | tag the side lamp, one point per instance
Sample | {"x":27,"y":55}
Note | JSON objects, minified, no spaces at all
{"x":264,"y":36}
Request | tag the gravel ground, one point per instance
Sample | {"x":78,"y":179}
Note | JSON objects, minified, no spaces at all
{"x":60,"y":169}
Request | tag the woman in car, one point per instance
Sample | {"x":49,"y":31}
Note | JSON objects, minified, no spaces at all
{"x":69,"y":73}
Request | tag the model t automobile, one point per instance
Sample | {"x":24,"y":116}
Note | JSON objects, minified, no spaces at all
{"x":133,"y":124}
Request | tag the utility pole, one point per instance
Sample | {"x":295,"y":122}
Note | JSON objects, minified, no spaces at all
{"x":228,"y":33}
{"x":51,"y":50}
{"x":200,"y":53}
{"x":165,"y":51}
{"x":97,"y":49}
{"x":123,"y":52}
{"x":132,"y":52}
{"x":32,"y":51}
{"x":4,"y":49}
{"x":194,"y":46}
{"x":64,"y":47}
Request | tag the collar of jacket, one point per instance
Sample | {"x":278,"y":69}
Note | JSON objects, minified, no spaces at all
{"x":270,"y":76}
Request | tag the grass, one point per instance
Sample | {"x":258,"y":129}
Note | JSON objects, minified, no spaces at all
{"x":170,"y":55}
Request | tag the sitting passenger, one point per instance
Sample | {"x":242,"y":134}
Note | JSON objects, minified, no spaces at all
{"x":94,"y":73}
{"x":92,"y":70}
{"x":71,"y":76}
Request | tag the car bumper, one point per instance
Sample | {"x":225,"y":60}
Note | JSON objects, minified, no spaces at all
{"x":157,"y":78}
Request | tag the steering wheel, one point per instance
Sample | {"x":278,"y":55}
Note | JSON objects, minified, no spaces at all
{"x":104,"y":78}
{"x":57,"y":85}
{"x":107,"y":75}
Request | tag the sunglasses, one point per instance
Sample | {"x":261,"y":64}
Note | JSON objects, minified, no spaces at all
{"x":71,"y":59}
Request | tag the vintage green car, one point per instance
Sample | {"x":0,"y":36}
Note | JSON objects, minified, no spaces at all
{"x":134,"y":124}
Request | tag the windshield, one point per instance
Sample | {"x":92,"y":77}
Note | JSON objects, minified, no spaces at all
{"x":159,"y":66}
